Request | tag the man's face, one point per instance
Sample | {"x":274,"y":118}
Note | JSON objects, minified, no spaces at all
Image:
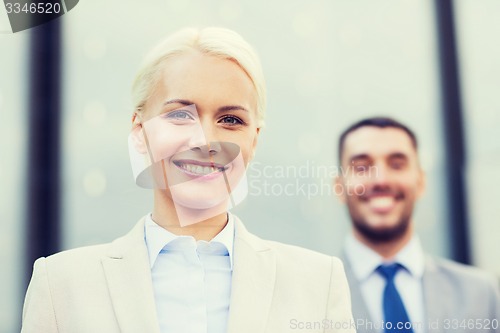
{"x":382,"y":180}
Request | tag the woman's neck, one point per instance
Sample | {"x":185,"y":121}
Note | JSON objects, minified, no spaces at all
{"x":202,"y":224}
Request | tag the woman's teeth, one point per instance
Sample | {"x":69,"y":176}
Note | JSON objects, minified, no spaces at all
{"x":200,"y":170}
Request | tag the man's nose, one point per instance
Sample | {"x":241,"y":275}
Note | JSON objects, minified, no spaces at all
{"x":379,"y":174}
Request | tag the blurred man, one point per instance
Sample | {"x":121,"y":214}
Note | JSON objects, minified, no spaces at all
{"x":395,"y":287}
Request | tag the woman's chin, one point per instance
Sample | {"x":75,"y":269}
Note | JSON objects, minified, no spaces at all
{"x":194,"y":210}
{"x":200,"y":200}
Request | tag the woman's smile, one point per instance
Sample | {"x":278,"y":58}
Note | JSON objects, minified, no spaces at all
{"x":202,"y":170}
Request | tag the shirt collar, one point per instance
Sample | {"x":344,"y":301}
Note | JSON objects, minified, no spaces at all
{"x":412,"y":257}
{"x":157,"y":238}
{"x":364,"y":261}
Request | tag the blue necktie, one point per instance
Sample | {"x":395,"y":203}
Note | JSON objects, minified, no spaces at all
{"x":395,"y":314}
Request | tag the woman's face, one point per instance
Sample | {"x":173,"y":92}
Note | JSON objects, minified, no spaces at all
{"x":199,"y":128}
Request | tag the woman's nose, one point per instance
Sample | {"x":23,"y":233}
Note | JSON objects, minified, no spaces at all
{"x":214,"y":147}
{"x":197,"y":137}
{"x":203,"y":138}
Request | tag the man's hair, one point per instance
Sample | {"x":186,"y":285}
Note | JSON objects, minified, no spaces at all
{"x":218,"y":42}
{"x":380,"y":122}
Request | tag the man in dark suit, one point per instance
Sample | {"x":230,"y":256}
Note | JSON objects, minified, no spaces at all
{"x":395,"y":287}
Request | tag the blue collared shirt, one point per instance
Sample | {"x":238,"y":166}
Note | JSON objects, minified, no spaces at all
{"x":364,"y":262}
{"x":191,"y":279}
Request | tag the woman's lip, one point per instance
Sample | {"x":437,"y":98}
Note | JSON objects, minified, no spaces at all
{"x":199,"y":163}
{"x":201,"y":176}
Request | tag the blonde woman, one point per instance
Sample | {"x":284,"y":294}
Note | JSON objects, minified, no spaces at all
{"x":190,"y":265}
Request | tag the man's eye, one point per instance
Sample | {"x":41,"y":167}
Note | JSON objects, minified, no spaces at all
{"x":179,"y":115}
{"x":231,"y":120}
{"x":398,"y":164}
{"x":361,"y":167}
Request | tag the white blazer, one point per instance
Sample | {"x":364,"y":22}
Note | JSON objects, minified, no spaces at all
{"x":107,"y":288}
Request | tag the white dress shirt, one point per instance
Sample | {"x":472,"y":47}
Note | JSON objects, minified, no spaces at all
{"x":191,"y":279}
{"x":364,"y":262}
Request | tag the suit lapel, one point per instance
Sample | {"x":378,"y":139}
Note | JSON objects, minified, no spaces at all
{"x":359,"y":309}
{"x":437,"y":307}
{"x":129,"y":281}
{"x":252,"y":282}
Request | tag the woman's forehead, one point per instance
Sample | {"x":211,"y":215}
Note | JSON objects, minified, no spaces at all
{"x":202,"y":78}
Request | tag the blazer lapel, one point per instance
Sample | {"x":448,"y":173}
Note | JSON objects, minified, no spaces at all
{"x":359,"y":309}
{"x":437,"y":307}
{"x":252,"y":282}
{"x":129,"y":282}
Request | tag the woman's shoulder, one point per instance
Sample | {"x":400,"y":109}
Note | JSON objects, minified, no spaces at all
{"x":80,"y":256}
{"x":94,"y":253}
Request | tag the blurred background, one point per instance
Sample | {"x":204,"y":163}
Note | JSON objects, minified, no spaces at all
{"x":65,"y":178}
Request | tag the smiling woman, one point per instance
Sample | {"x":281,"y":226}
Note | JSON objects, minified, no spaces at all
{"x":197,"y":130}
{"x":190,"y":265}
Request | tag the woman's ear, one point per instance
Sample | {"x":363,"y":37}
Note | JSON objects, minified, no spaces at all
{"x":137,"y":134}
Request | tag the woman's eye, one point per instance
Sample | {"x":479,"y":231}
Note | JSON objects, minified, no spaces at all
{"x":231,"y":120}
{"x":180,"y":115}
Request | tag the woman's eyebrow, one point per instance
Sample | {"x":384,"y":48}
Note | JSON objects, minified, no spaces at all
{"x":178,"y":101}
{"x":221,"y":109}
{"x":232,"y":108}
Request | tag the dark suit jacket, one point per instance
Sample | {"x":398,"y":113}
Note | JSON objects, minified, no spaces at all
{"x":452,"y":292}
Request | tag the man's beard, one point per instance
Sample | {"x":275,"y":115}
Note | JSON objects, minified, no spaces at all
{"x":381,"y":235}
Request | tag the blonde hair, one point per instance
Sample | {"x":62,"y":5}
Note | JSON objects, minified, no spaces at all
{"x":219,"y":42}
